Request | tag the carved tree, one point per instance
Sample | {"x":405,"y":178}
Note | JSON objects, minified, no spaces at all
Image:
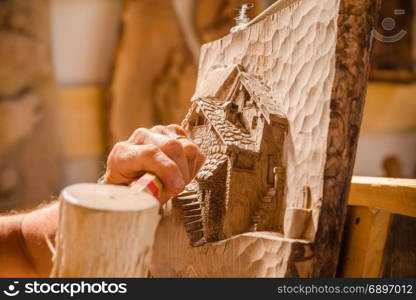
{"x":29,"y":155}
{"x":155,"y":68}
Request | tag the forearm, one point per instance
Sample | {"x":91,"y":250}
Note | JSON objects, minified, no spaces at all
{"x":23,"y":247}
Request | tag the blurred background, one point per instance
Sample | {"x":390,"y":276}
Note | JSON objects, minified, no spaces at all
{"x":76,"y":76}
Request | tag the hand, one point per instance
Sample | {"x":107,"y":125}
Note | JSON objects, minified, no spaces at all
{"x":162,"y":150}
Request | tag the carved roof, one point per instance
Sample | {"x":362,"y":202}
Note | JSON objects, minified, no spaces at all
{"x":230,"y":134}
{"x":211,"y":164}
{"x":219,"y":90}
{"x":223,"y":78}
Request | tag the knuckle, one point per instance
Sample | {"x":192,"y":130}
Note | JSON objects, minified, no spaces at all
{"x":176,"y":128}
{"x":149,"y":150}
{"x":140,"y":132}
{"x":200,"y":157}
{"x":191,"y":149}
{"x":173,"y":147}
{"x":117,"y":149}
{"x":158,"y":128}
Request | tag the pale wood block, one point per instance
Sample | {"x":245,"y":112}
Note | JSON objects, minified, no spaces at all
{"x":364,"y":241}
{"x":392,"y":194}
{"x":81,"y":114}
{"x":104,"y":231}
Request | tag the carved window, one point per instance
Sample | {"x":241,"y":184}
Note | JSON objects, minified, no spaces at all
{"x":200,"y":120}
{"x":244,"y":161}
{"x":254,"y":122}
{"x":231,"y":114}
{"x":271,"y":163}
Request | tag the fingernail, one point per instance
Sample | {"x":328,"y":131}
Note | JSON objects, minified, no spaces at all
{"x":178,"y":184}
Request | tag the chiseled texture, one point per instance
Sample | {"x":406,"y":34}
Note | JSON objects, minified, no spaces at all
{"x":248,"y":255}
{"x":293,"y":51}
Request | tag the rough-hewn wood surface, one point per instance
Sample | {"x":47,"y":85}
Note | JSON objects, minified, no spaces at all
{"x":30,"y":170}
{"x":356,"y":20}
{"x":155,"y":68}
{"x":285,"y":50}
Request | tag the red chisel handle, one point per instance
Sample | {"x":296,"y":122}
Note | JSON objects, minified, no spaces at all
{"x":148,"y":183}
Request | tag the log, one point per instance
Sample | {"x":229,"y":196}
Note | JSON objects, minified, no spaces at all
{"x":268,"y":65}
{"x":30,"y":155}
{"x":104,"y":231}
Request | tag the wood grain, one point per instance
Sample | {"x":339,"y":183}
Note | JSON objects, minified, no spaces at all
{"x":104,"y":231}
{"x":356,"y":20}
{"x":395,"y":195}
{"x":285,"y":50}
{"x":364,"y":241}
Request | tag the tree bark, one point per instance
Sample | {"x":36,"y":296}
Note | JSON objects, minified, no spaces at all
{"x":356,"y":20}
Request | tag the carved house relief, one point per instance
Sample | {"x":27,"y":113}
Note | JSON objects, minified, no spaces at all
{"x":242,"y":131}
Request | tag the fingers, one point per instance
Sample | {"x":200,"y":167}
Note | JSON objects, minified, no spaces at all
{"x":192,"y":152}
{"x":127,"y":162}
{"x":168,"y":144}
{"x":163,"y":150}
{"x":170,"y":130}
{"x":157,"y":162}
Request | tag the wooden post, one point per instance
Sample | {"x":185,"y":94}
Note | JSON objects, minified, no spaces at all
{"x":104,"y":231}
{"x":378,"y":239}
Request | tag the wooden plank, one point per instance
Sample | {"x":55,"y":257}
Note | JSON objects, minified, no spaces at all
{"x":377,"y":241}
{"x":391,"y":194}
{"x":364,"y":240}
{"x":81,"y":113}
{"x":30,"y":154}
{"x":389,"y":107}
{"x":277,"y":55}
